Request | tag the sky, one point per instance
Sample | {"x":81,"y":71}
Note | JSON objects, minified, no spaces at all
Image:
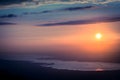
{"x":59,"y":12}
{"x":60,"y":28}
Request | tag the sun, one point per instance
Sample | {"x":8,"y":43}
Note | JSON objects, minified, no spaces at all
{"x":98,"y":36}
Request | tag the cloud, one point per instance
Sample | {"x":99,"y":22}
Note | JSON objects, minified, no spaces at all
{"x":36,"y":3}
{"x":8,"y":16}
{"x":62,"y":9}
{"x":7,"y":23}
{"x":78,"y":8}
{"x":89,"y":21}
{"x":9,"y":2}
{"x":72,"y":1}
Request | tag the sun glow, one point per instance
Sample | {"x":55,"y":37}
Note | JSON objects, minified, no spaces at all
{"x":98,"y":36}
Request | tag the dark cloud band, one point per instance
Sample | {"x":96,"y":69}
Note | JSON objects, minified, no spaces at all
{"x":9,"y":2}
{"x":7,"y":23}
{"x":90,"y":21}
{"x":8,"y":16}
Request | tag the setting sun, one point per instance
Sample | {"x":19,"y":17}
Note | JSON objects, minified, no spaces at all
{"x":98,"y":36}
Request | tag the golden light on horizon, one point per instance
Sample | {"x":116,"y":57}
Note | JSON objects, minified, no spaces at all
{"x":98,"y":36}
{"x":99,"y":69}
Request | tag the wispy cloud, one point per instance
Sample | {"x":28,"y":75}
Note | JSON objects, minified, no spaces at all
{"x":89,"y":21}
{"x":8,"y":16}
{"x":7,"y":23}
{"x":78,"y":8}
{"x":62,"y":9}
{"x":34,"y":3}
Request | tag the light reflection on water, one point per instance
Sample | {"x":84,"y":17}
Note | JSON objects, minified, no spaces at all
{"x":99,"y":69}
{"x":79,"y":66}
